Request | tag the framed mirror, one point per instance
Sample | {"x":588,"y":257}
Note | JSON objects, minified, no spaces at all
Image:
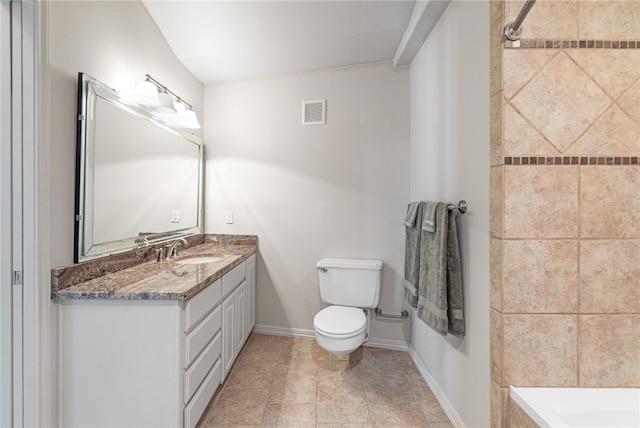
{"x":138,"y":177}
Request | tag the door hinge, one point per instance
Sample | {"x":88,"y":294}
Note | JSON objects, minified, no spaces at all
{"x":17,"y":277}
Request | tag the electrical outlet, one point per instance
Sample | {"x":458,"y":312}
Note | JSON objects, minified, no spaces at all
{"x":229,"y":217}
{"x":175,"y":216}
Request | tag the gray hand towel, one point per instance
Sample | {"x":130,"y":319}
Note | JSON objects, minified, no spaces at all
{"x":432,"y":289}
{"x":455,"y":298}
{"x":412,"y":252}
{"x":429,"y":219}
{"x":412,"y":214}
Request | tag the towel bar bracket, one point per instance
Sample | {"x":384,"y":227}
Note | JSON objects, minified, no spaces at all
{"x":403,"y":314}
{"x":462,"y":206}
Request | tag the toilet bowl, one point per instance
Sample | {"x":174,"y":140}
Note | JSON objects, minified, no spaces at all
{"x":349,"y":286}
{"x":341,"y":329}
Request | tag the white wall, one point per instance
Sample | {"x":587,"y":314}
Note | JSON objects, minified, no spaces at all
{"x":116,"y":43}
{"x":449,"y":162}
{"x":308,"y":192}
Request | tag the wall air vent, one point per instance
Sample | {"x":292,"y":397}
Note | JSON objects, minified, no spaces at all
{"x":314,"y":112}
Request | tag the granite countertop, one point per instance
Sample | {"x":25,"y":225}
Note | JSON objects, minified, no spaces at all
{"x":166,"y":280}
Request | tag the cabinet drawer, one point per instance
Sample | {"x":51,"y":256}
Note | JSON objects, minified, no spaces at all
{"x":201,"y":398}
{"x":201,"y":335}
{"x":232,"y":279}
{"x":201,"y":366}
{"x":200,"y":304}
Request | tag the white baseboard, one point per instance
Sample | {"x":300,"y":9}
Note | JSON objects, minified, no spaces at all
{"x":393,"y":344}
{"x":451,"y":413}
{"x":281,"y":331}
{"x":396,"y":345}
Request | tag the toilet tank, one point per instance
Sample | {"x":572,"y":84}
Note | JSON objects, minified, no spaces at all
{"x":350,"y":282}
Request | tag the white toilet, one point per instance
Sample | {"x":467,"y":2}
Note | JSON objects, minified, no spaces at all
{"x":350,"y":286}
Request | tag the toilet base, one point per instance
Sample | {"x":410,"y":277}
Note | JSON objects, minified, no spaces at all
{"x":341,"y":347}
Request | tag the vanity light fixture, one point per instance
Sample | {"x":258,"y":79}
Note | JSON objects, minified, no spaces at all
{"x":177,"y":111}
{"x":146,"y":93}
{"x":165,"y":105}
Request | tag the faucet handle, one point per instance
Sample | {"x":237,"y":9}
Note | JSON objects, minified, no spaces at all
{"x":160,"y":254}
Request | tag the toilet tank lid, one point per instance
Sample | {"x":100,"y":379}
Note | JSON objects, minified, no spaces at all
{"x":350,"y":263}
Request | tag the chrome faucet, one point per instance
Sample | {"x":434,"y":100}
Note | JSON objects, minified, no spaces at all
{"x":172,"y":249}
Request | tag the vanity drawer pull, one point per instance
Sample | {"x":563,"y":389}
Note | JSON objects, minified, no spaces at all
{"x":198,"y":339}
{"x":232,"y":279}
{"x":201,"y":366}
{"x":200,"y":304}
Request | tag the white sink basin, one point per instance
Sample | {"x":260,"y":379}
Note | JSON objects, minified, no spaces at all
{"x":198,"y":260}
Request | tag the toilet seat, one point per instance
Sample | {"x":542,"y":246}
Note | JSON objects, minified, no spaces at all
{"x":340,"y":321}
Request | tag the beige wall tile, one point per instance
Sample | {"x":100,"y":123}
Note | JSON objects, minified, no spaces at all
{"x":547,"y":19}
{"x":609,"y":350}
{"x":540,"y":202}
{"x":522,"y":139}
{"x":496,"y":11}
{"x":499,"y":397}
{"x":540,"y":350}
{"x":518,"y":418}
{"x":614,"y":70}
{"x":610,"y":276}
{"x":496,"y":346}
{"x":495,"y":55}
{"x":610,"y":207}
{"x":609,"y":20}
{"x":495,"y":129}
{"x":614,"y":133}
{"x":561,"y":101}
{"x":520,"y":65}
{"x":495,"y":204}
{"x":496,"y":265}
{"x":540,"y":276}
{"x":629,"y":102}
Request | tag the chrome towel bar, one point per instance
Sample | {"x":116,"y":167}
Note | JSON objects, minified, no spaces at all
{"x":403,"y":314}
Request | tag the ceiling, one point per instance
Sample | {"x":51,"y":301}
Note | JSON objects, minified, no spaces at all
{"x":228,"y":40}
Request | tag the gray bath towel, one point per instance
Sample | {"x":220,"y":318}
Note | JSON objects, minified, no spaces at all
{"x":440,"y":285}
{"x":432,"y":288}
{"x":455,"y":298}
{"x":413,"y":223}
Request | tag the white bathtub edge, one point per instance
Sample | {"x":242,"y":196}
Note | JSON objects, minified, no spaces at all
{"x":528,"y":408}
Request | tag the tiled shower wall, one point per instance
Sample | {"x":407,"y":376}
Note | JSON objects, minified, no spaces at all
{"x":565,"y":197}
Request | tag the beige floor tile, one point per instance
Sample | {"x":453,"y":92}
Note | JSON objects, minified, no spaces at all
{"x":241,"y":378}
{"x":298,"y":415}
{"x":306,"y":386}
{"x":397,"y":415}
{"x":429,"y":405}
{"x":239,"y":406}
{"x":338,"y":405}
{"x":293,"y":387}
{"x":387,"y":388}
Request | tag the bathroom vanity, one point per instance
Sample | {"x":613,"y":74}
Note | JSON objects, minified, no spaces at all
{"x":150,"y":344}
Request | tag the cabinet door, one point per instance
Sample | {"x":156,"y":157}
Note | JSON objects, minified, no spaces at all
{"x":251,"y":293}
{"x":228,"y":333}
{"x":241,"y":315}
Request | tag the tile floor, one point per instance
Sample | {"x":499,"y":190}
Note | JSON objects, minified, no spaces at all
{"x":291,"y":382}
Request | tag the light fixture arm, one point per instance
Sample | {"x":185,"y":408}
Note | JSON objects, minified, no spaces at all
{"x":165,"y":89}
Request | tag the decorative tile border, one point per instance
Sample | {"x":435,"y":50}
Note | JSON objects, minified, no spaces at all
{"x":571,"y":160}
{"x":572,"y":44}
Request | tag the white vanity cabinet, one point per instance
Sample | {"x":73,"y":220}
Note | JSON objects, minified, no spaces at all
{"x":238,"y":311}
{"x":148,"y":363}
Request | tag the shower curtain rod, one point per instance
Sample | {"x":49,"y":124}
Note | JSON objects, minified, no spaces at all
{"x":512,"y":30}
